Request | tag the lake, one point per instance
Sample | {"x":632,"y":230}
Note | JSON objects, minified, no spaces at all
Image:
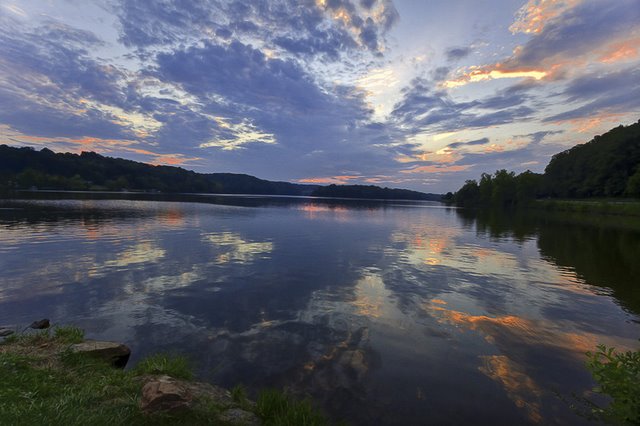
{"x":382,"y":312}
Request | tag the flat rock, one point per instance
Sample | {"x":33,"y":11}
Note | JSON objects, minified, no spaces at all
{"x":239,"y":417}
{"x":221,"y":396}
{"x":164,"y":394}
{"x":113,"y":352}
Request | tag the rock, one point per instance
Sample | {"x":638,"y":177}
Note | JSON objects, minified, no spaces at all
{"x":4,"y":332}
{"x":115,"y":353}
{"x":240,"y":417}
{"x":164,"y":394}
{"x":221,"y":396}
{"x":40,"y":325}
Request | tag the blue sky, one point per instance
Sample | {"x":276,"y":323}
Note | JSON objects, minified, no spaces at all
{"x":405,"y":93}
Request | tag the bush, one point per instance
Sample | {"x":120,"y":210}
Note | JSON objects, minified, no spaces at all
{"x":618,"y":376}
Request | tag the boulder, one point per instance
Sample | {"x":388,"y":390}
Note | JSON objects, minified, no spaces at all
{"x":115,"y":353}
{"x":4,"y":332}
{"x":164,"y":394}
{"x":40,"y":325}
{"x":239,"y":417}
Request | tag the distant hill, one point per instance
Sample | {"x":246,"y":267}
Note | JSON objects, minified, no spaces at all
{"x":607,"y":166}
{"x":373,"y":192}
{"x":25,"y":168}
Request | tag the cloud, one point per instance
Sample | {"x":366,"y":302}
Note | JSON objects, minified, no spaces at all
{"x":243,"y":75}
{"x":482,"y":141}
{"x":457,"y":53}
{"x":303,"y":28}
{"x":538,"y":137}
{"x":534,"y":15}
{"x":565,"y":35}
{"x":601,"y":93}
{"x":436,"y":169}
{"x":422,"y":108}
{"x":48,"y":73}
{"x":338,"y":180}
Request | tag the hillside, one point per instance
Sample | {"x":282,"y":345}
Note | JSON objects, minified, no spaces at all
{"x":607,"y":166}
{"x":26,"y":168}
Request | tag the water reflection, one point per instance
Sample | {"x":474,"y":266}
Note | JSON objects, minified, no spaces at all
{"x":385,"y":313}
{"x":235,"y":249}
{"x":601,"y":251}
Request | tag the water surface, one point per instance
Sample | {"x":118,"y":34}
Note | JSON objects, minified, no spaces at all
{"x":384,"y":313}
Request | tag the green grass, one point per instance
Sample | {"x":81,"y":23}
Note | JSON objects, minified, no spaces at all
{"x":44,"y":383}
{"x":171,"y":365}
{"x":69,"y":334}
{"x":278,"y":409}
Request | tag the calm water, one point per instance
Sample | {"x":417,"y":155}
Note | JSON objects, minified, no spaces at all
{"x":385,"y":313}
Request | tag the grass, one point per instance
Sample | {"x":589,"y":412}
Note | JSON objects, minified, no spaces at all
{"x":68,"y":334}
{"x":175,"y":366}
{"x":44,"y":383}
{"x":278,"y":409}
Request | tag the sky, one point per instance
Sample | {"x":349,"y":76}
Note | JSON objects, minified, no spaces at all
{"x":405,"y":93}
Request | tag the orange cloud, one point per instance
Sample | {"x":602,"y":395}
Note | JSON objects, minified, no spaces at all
{"x":339,"y":180}
{"x":98,"y":145}
{"x":619,"y":51}
{"x":172,"y":159}
{"x":534,"y":15}
{"x":601,"y":122}
{"x":436,"y":169}
{"x":493,"y":148}
{"x":445,"y":155}
{"x":481,"y":74}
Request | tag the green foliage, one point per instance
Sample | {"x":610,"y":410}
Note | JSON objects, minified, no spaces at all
{"x":172,"y":365}
{"x":239,"y":393}
{"x":69,"y":334}
{"x":601,"y":167}
{"x":618,"y":376}
{"x":502,"y":189}
{"x":607,"y":166}
{"x":277,"y":409}
{"x":633,"y":185}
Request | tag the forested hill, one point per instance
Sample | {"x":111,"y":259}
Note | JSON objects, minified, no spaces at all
{"x":607,"y":166}
{"x":373,"y":192}
{"x":25,"y":168}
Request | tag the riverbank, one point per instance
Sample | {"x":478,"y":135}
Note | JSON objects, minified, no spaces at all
{"x":47,"y":381}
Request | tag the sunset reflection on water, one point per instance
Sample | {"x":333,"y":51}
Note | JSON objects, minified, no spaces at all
{"x":382,"y":312}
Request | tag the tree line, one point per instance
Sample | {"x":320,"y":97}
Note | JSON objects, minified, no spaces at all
{"x":607,"y":166}
{"x":373,"y":192}
{"x":27,"y":168}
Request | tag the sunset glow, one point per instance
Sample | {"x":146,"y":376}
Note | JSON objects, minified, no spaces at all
{"x":397,"y":93}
